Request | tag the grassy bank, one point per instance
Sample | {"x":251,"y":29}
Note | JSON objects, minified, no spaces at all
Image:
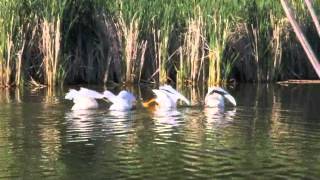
{"x":199,"y":41}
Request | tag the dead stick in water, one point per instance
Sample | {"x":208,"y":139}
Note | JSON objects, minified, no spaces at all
{"x":295,"y":81}
{"x":306,"y":46}
{"x":313,"y":15}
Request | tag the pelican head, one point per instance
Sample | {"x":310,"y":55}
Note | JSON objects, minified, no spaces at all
{"x":166,"y":97}
{"x":215,"y":97}
{"x":124,"y":101}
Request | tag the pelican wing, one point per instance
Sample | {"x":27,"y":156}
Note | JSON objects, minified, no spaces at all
{"x":71,"y":94}
{"x":163,"y":100}
{"x":90,"y":93}
{"x":218,"y":90}
{"x":222,"y":92}
{"x":174,"y":93}
{"x":160,"y":94}
{"x":230,"y":99}
{"x":110,"y":96}
{"x":83,"y":92}
{"x":124,"y":101}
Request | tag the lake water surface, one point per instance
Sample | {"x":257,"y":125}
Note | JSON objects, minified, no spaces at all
{"x":274,"y":132}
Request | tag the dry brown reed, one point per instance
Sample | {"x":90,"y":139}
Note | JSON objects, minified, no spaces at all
{"x":192,"y":52}
{"x":279,"y":27}
{"x":18,"y":80}
{"x":11,"y":60}
{"x":50,"y":49}
{"x":6,"y":62}
{"x":134,"y":50}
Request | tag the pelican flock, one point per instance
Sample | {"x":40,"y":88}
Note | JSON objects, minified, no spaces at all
{"x":166,"y":98}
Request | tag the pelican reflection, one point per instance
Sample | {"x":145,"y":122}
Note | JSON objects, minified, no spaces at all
{"x":217,"y":116}
{"x":80,"y":125}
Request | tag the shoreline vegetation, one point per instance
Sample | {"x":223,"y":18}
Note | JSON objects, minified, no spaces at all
{"x":50,"y":43}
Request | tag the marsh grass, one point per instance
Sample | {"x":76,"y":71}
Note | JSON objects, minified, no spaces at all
{"x":51,"y":38}
{"x":51,"y":50}
{"x":12,"y":44}
{"x":19,"y":58}
{"x":6,"y":42}
{"x":161,"y":54}
{"x":5,"y":63}
{"x":52,"y":42}
{"x":192,"y":51}
{"x":130,"y":34}
{"x":217,"y":44}
{"x":279,"y":27}
{"x":134,"y":50}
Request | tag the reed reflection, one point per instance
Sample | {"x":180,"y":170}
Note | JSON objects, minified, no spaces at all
{"x":10,"y":95}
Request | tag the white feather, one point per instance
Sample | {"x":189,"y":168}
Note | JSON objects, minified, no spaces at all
{"x":124,"y":101}
{"x":216,"y":99}
{"x":71,"y":94}
{"x":84,"y":98}
{"x":175,"y":95}
{"x":231,"y":99}
{"x":164,"y":100}
{"x":167,"y":97}
{"x":83,"y":103}
{"x":110,"y":96}
{"x":90,"y":93}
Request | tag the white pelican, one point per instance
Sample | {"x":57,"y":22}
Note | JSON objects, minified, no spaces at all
{"x":215,"y":97}
{"x":124,"y":101}
{"x":166,"y":98}
{"x":84,"y":98}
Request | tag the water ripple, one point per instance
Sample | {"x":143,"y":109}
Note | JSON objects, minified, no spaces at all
{"x":268,"y":138}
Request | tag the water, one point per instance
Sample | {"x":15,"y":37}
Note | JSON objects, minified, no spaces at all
{"x":274,"y":132}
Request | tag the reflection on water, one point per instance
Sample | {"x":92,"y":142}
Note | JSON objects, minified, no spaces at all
{"x":216,"y":117}
{"x":166,"y":116}
{"x":80,"y":125}
{"x":274,"y":132}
